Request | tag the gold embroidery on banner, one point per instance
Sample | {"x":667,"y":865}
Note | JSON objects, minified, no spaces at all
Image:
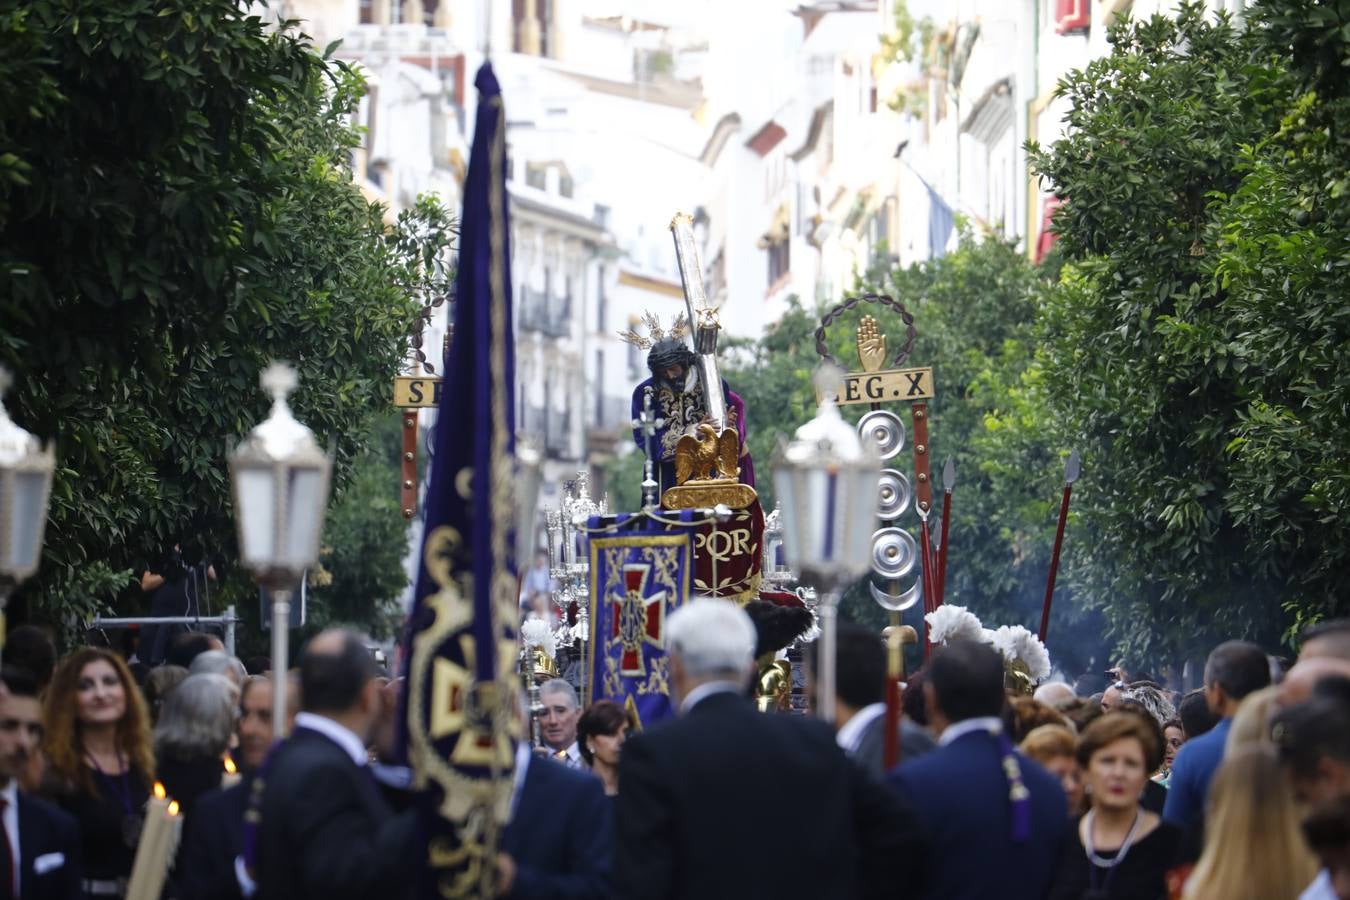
{"x":481,"y":713}
{"x":660,"y":551}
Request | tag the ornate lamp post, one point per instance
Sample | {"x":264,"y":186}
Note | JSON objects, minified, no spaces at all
{"x":826,"y":482}
{"x":25,"y":487}
{"x":280,"y":478}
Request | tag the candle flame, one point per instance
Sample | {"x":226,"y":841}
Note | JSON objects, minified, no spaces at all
{"x":173,"y":807}
{"x":230,"y":768}
{"x":160,"y":793}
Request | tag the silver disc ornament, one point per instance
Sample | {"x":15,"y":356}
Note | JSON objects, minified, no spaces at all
{"x":886,"y":429}
{"x":897,"y":602}
{"x":893,"y":494}
{"x":894,"y":552}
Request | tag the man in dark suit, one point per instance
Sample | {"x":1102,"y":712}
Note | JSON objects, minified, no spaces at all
{"x":559,"y":843}
{"x":325,"y":833}
{"x":860,"y":701}
{"x":995,"y":819}
{"x":48,"y":839}
{"x":725,"y":802}
{"x":213,"y":834}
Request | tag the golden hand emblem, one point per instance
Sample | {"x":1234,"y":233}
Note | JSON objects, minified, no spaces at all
{"x":871,"y":345}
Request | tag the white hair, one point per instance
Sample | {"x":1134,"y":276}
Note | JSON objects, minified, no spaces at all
{"x":562,"y":687}
{"x":197,"y":718}
{"x":711,"y":637}
{"x":218,"y":662}
{"x":1054,"y":693}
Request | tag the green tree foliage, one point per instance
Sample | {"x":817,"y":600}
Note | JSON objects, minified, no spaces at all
{"x":361,"y":572}
{"x":1195,"y":348}
{"x":176,"y":210}
{"x":1284,"y":257}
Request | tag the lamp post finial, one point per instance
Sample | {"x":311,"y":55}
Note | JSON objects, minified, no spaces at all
{"x":279,"y":379}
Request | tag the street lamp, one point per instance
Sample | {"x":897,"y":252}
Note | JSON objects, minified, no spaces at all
{"x":826,"y":482}
{"x":25,"y":486}
{"x":280,"y":478}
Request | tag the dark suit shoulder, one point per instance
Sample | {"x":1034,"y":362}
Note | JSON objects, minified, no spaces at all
{"x":38,"y":809}
{"x":562,"y":778}
{"x":308,"y":751}
{"x":223,"y":801}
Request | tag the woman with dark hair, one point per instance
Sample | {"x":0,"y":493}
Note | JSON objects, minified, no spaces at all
{"x":601,"y":731}
{"x":1174,"y":735}
{"x":99,"y":762}
{"x":1123,"y":851}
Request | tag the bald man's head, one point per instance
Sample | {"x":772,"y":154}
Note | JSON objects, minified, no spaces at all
{"x":1330,"y":638}
{"x":334,"y":671}
{"x":1298,"y":685}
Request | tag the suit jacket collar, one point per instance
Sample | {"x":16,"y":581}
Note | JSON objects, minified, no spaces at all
{"x":850,"y":736}
{"x":983,"y":725}
{"x":707,"y":693}
{"x":339,"y":734}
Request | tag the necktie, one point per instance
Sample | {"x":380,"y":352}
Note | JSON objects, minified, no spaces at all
{"x":7,"y":866}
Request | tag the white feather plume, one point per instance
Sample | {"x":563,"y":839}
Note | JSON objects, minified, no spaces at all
{"x":534,"y":632}
{"x":1016,"y":642}
{"x":950,"y":623}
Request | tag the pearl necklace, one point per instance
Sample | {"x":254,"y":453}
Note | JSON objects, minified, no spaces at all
{"x":1124,"y":847}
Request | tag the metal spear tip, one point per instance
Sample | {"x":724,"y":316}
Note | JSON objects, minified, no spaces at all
{"x":948,"y":475}
{"x":1072,"y":468}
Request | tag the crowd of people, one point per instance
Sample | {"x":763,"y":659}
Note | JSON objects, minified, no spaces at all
{"x":1239,"y":790}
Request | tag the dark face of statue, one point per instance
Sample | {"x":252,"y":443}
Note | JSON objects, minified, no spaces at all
{"x":669,"y":362}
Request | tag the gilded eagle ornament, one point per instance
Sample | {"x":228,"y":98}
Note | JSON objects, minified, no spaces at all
{"x":697,"y":455}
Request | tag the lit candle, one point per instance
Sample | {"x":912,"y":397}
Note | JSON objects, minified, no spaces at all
{"x":159,"y":841}
{"x":231,"y":776}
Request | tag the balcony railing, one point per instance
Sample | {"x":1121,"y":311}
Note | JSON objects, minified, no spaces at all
{"x":550,"y":316}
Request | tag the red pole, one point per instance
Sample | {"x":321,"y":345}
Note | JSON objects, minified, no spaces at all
{"x":948,"y":482}
{"x":890,"y":748}
{"x":1070,"y":476}
{"x":942,"y":549}
{"x":926,"y":561}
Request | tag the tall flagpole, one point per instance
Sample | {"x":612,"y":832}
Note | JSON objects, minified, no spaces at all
{"x":1071,"y":470}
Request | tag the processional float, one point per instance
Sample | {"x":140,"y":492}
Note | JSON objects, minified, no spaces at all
{"x":620,"y":574}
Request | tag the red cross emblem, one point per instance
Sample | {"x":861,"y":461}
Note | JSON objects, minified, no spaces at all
{"x":638,"y":619}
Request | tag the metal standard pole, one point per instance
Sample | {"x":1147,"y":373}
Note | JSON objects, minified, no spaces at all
{"x":828,"y":611}
{"x":229,"y":629}
{"x":281,"y":621}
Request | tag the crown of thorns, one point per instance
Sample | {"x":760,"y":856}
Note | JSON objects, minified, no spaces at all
{"x":678,"y":329}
